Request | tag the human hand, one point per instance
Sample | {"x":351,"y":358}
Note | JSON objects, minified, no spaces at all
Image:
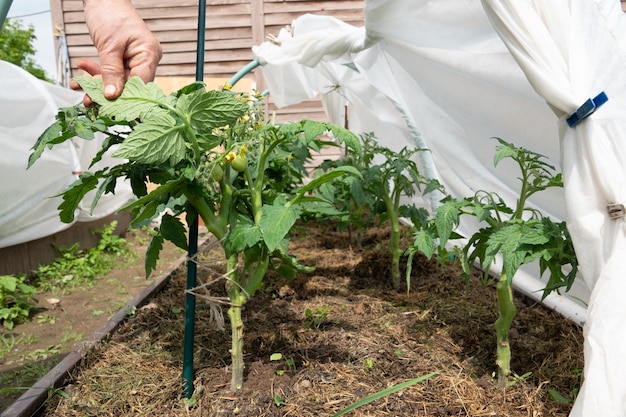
{"x":125,"y":45}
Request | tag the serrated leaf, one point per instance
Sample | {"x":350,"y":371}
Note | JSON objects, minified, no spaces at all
{"x":446,"y":219}
{"x":83,"y":128}
{"x":74,"y":195}
{"x":206,"y":110}
{"x":504,"y":150}
{"x":346,"y":137}
{"x":173,"y":230}
{"x":136,"y":101}
{"x":152,"y":254}
{"x":245,"y":234}
{"x":156,"y":141}
{"x":424,"y":243}
{"x":276,"y":222}
{"x":52,"y":135}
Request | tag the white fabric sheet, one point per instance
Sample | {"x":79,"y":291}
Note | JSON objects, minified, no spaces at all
{"x":28,"y":208}
{"x":571,"y":51}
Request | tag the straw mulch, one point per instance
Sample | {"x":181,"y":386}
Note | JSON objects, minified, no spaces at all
{"x":361,"y":337}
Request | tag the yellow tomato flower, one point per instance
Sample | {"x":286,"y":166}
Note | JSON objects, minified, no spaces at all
{"x":230,"y":156}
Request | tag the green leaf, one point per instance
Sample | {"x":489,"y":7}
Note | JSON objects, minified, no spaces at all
{"x":155,"y":141}
{"x":136,"y":101}
{"x":324,"y":178}
{"x":52,"y":135}
{"x":556,"y":396}
{"x":276,"y":222}
{"x":83,"y":128}
{"x":173,"y":230}
{"x":152,"y":254}
{"x":245,"y":234}
{"x":346,"y":137}
{"x":504,"y":150}
{"x":210,"y":109}
{"x":385,"y":392}
{"x":7,"y":284}
{"x":446,"y":219}
{"x":74,"y":195}
{"x":424,"y":243}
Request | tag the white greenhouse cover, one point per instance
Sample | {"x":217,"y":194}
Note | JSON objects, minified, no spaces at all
{"x":437,"y":74}
{"x":28,"y":208}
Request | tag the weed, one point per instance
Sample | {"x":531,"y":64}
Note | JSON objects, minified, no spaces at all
{"x":16,"y":300}
{"x":316,"y":318}
{"x":291,"y":364}
{"x":75,"y":267}
{"x":45,"y":318}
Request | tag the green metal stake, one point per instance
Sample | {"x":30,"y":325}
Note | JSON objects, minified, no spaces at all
{"x":190,"y":299}
{"x":5,"y":5}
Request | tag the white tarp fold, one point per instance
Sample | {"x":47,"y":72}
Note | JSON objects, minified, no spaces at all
{"x":28,"y":208}
{"x":571,"y":51}
{"x":436,"y":73}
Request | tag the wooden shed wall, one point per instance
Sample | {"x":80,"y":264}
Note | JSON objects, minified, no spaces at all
{"x":232,"y":28}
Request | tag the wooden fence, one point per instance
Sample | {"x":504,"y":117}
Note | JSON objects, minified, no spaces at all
{"x":232,"y":28}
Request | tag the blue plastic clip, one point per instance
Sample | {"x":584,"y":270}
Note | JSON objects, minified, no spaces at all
{"x":587,"y":109}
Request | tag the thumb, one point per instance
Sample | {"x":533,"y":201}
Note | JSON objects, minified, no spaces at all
{"x":112,"y":70}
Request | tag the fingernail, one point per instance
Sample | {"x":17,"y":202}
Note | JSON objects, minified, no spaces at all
{"x":110,"y":90}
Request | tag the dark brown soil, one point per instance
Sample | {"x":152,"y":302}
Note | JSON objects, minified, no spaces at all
{"x":361,"y":337}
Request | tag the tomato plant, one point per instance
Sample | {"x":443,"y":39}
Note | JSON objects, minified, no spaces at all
{"x":388,"y":176}
{"x":210,"y":153}
{"x":519,"y":233}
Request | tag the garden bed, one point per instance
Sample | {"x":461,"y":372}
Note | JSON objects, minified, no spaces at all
{"x":343,"y":333}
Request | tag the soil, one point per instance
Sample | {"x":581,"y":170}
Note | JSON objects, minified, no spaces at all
{"x":62,"y":320}
{"x":361,"y":336}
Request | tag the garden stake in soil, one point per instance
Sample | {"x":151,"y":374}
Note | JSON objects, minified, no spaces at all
{"x":190,"y":298}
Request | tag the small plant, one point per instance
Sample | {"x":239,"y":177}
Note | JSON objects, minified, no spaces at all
{"x":368,"y":364}
{"x":381,"y":189}
{"x":16,"y":300}
{"x":518,"y":378}
{"x":316,"y":318}
{"x":520,"y":234}
{"x":46,"y":318}
{"x":355,"y":207}
{"x":291,"y":364}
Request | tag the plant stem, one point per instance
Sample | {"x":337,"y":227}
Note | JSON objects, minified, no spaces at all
{"x":503,"y":325}
{"x":394,"y":235}
{"x":237,"y":300}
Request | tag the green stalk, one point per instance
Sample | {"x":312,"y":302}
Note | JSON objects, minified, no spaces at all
{"x":394,"y":236}
{"x":213,"y":223}
{"x":503,"y":325}
{"x":237,"y":300}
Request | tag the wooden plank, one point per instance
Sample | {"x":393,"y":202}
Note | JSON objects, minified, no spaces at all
{"x":287,"y":18}
{"x":257,"y":21}
{"x":221,"y":12}
{"x":178,"y":24}
{"x":211,"y":69}
{"x":313,"y":6}
{"x":76,"y":5}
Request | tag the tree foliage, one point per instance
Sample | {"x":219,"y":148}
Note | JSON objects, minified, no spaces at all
{"x":16,"y":47}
